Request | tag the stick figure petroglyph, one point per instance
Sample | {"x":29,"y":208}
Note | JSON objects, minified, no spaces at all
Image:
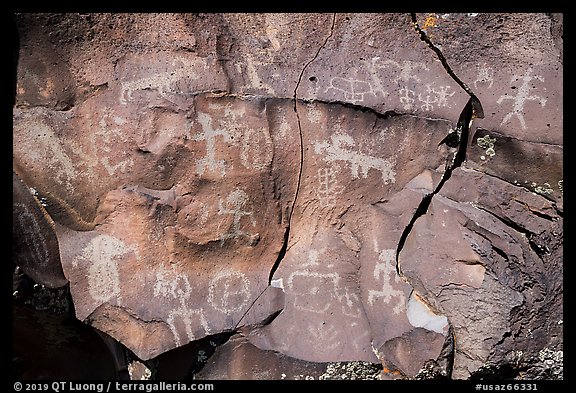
{"x":170,"y":284}
{"x":235,"y":205}
{"x":209,"y":135}
{"x":385,"y":269}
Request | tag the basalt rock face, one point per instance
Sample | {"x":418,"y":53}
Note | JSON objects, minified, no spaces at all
{"x":278,"y":179}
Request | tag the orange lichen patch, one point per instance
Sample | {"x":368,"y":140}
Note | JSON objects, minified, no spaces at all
{"x":430,"y":21}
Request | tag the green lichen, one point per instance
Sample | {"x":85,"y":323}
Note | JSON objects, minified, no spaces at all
{"x":352,"y":370}
{"x":487,"y":143}
{"x":544,"y":189}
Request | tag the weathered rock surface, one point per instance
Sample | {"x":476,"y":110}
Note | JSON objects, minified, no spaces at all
{"x":278,"y":179}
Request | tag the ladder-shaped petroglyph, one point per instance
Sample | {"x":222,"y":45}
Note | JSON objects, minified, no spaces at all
{"x":175,"y":286}
{"x":235,"y":205}
{"x":328,"y":188}
{"x":209,"y":135}
{"x":341,"y":150}
{"x":101,"y":254}
{"x":485,"y":76}
{"x":229,"y":292}
{"x":32,"y":235}
{"x":384,"y":271}
{"x":165,"y":82}
{"x":523,"y":95}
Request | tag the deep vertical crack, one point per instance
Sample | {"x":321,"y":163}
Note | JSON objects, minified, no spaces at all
{"x":282,"y":252}
{"x":472,"y":109}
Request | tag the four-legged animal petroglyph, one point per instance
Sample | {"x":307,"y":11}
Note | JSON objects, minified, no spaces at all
{"x":340,"y":150}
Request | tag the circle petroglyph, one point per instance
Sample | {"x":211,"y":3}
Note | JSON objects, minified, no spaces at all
{"x":229,"y":292}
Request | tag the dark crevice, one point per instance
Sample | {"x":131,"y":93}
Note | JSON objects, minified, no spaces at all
{"x":539,"y":250}
{"x":282,"y":252}
{"x":424,"y":37}
{"x":472,"y":109}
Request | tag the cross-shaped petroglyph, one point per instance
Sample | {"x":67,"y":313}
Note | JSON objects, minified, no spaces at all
{"x":339,"y":150}
{"x":209,"y":135}
{"x":229,"y":292}
{"x":519,"y":100}
{"x":328,"y":187}
{"x":385,"y":269}
{"x":170,"y":284}
{"x":235,"y":205}
{"x":485,"y":75}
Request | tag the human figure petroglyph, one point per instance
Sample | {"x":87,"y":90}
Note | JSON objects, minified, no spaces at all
{"x":209,"y":135}
{"x":170,"y":284}
{"x":234,"y":205}
{"x":101,"y":254}
{"x":485,"y":75}
{"x":385,"y":268}
{"x":519,"y":100}
{"x":340,"y":150}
